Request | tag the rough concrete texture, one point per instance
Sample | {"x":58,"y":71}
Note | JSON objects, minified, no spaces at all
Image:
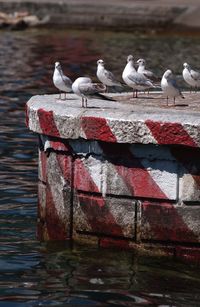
{"x":145,"y":120}
{"x":54,"y":216}
{"x":115,"y":14}
{"x":126,"y":173}
{"x":136,"y":204}
{"x":104,"y":216}
{"x":169,"y":223}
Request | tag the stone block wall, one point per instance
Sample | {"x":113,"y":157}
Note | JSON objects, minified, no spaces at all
{"x":136,"y":192}
{"x":118,"y":176}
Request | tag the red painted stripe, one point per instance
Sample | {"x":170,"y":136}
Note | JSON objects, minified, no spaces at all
{"x":97,"y":128}
{"x":82,"y":178}
{"x":170,"y":133}
{"x":136,"y":177}
{"x":56,"y":228}
{"x":164,"y":224}
{"x":98,"y":216}
{"x":60,"y":146}
{"x":47,"y":123}
{"x":65,"y":164}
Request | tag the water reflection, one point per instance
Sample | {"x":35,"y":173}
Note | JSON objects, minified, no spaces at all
{"x":34,"y":274}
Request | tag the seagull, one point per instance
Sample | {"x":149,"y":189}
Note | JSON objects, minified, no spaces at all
{"x":84,"y":87}
{"x":62,"y":82}
{"x":106,"y":76}
{"x":191,"y":76}
{"x":135,"y":79}
{"x":147,"y":73}
{"x":169,"y":86}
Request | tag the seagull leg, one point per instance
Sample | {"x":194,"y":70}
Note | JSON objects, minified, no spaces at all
{"x":64,"y":98}
{"x":174,"y":101}
{"x":82,"y":100}
{"x":136,"y":93}
{"x":59,"y":97}
{"x":167,"y":100}
{"x":85,"y":102}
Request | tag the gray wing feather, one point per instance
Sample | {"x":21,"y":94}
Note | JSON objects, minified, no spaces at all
{"x":91,"y":88}
{"x":67,"y":81}
{"x":195,"y":75}
{"x":139,"y":79}
{"x":110,"y":75}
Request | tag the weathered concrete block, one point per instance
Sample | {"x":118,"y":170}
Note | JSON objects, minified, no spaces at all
{"x":120,"y":172}
{"x":104,"y":216}
{"x":170,"y":223}
{"x":190,"y":188}
{"x":54,"y":220}
{"x":189,"y":174}
{"x":55,"y":201}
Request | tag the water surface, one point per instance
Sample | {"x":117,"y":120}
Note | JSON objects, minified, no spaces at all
{"x":37,"y":274}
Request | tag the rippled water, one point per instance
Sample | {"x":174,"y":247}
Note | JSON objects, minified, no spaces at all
{"x":36,"y":274}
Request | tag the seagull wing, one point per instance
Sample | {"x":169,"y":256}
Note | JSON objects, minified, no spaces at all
{"x":109,"y":75}
{"x":91,"y":88}
{"x":195,"y":74}
{"x":139,"y":79}
{"x":174,"y":83}
{"x":150,"y":75}
{"x":67,"y":81}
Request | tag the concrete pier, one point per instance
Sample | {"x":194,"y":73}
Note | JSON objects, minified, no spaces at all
{"x":122,"y":173}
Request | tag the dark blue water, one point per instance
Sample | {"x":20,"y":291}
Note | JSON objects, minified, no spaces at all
{"x":38,"y":274}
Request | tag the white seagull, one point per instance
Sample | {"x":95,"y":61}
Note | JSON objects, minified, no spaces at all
{"x":106,"y":76}
{"x":147,"y":73}
{"x":84,"y":87}
{"x":137,"y":81}
{"x":191,"y":76}
{"x":169,"y":86}
{"x":61,"y":82}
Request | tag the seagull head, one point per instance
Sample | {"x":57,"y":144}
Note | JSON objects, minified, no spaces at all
{"x":101,"y":62}
{"x":129,"y":58}
{"x":168,"y":74}
{"x":186,"y":65}
{"x":141,"y":62}
{"x":57,"y":65}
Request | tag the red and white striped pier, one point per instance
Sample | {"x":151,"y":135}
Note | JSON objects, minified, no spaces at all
{"x":122,"y":173}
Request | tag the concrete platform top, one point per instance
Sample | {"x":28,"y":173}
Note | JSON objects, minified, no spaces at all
{"x":146,"y":120}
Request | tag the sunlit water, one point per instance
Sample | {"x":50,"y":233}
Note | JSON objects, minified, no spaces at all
{"x":35,"y":274}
